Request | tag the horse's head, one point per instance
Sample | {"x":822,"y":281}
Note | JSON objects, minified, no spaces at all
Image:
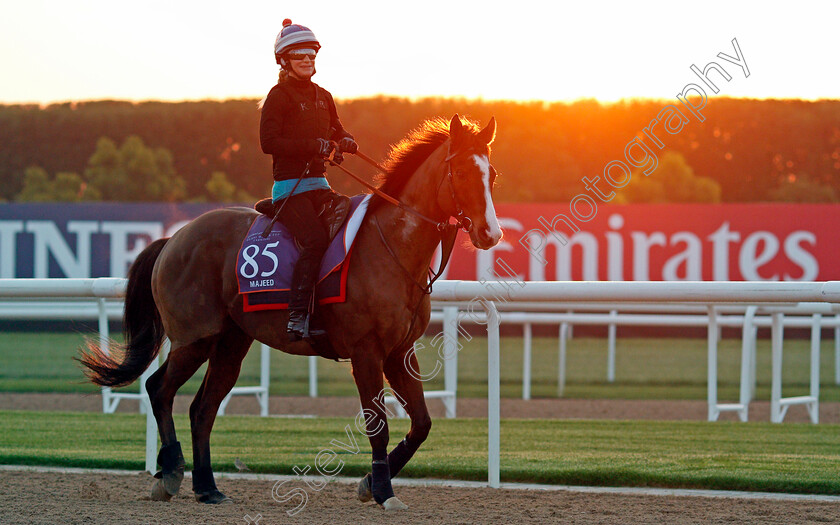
{"x":470,"y":195}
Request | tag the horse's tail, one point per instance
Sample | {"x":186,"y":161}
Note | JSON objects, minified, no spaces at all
{"x":142,"y":325}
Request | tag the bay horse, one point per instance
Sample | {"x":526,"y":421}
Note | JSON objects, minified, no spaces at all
{"x":185,"y":287}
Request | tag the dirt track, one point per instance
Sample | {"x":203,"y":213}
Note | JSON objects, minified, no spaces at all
{"x":32,"y":498}
{"x":47,"y":498}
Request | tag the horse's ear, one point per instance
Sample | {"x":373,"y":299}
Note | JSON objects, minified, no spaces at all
{"x":487,"y":134}
{"x":455,"y":127}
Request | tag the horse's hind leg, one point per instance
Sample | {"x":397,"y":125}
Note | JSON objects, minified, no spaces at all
{"x":409,"y":390}
{"x":222,"y":372}
{"x":176,"y":370}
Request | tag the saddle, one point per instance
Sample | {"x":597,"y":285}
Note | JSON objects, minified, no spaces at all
{"x":333,"y":212}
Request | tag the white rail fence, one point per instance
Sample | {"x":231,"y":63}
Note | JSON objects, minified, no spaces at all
{"x":803,"y":315}
{"x":611,"y":315}
{"x":774,"y":298}
{"x":614,"y":315}
{"x":707,"y":293}
{"x":105,"y":310}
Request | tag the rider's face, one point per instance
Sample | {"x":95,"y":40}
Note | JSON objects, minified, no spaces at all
{"x":302,"y":68}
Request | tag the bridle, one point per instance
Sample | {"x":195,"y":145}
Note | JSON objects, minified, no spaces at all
{"x":463,"y":222}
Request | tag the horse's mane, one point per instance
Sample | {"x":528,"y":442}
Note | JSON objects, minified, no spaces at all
{"x":407,"y":155}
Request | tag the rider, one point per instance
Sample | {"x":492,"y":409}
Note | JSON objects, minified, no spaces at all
{"x":299,"y":127}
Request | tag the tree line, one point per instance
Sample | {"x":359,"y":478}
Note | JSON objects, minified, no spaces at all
{"x":745,"y":150}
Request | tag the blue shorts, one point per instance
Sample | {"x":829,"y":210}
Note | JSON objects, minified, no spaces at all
{"x":283,"y":188}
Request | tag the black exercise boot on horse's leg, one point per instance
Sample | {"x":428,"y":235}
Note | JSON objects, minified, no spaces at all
{"x":368,"y":376}
{"x":408,"y":390}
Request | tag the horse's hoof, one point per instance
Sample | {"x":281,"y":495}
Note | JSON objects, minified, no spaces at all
{"x":167,"y":484}
{"x":172,"y":481}
{"x":393,"y":503}
{"x":364,"y":491}
{"x":212,"y":498}
{"x":159,"y":492}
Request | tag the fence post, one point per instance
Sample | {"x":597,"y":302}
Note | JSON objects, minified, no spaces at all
{"x":777,"y":333}
{"x":104,"y":340}
{"x":561,"y":364}
{"x":450,"y":363}
{"x":313,"y":376}
{"x":151,"y":423}
{"x":712,"y":339}
{"x":837,"y":352}
{"x":493,"y":395}
{"x":611,"y":333}
{"x":816,"y":332}
{"x":526,"y":361}
{"x":748,"y":338}
{"x":265,"y":377}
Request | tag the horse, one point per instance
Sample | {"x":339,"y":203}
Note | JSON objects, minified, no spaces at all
{"x":185,"y":287}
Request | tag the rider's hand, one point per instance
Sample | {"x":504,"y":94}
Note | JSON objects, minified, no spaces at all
{"x":325,"y":147}
{"x":347,"y":145}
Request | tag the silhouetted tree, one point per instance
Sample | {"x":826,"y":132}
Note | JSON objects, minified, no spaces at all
{"x":133,"y":172}
{"x":220,"y":189}
{"x":750,"y":148}
{"x":803,"y":188}
{"x":65,"y":187}
{"x":672,"y":181}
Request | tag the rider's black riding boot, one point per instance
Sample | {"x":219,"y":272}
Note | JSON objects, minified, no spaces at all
{"x":335,"y":212}
{"x":303,"y":284}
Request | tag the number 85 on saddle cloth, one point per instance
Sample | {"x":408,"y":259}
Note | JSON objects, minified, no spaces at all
{"x":264,"y":265}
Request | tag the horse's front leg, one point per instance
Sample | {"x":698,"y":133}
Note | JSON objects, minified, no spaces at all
{"x":367,"y":371}
{"x":409,"y":390}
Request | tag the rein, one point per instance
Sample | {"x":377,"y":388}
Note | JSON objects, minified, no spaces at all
{"x":463,"y":222}
{"x":447,"y":244}
{"x":448,"y":231}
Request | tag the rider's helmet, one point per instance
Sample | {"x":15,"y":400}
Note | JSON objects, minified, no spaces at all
{"x":293,"y":36}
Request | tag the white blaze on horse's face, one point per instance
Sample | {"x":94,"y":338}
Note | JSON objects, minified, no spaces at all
{"x":493,"y":230}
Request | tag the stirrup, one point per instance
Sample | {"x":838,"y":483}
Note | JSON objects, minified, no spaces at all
{"x":299,"y":329}
{"x":294,"y":336}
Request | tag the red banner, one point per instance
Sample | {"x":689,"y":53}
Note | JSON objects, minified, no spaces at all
{"x":738,"y":242}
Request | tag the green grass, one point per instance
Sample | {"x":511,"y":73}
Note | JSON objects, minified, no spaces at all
{"x":646,"y":368}
{"x":724,"y":455}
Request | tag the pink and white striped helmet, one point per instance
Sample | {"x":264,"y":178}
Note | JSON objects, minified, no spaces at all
{"x":293,"y":36}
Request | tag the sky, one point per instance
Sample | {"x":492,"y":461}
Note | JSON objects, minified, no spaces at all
{"x":58,"y":51}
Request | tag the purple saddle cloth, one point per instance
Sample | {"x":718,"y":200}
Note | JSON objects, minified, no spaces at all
{"x":264,"y":265}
